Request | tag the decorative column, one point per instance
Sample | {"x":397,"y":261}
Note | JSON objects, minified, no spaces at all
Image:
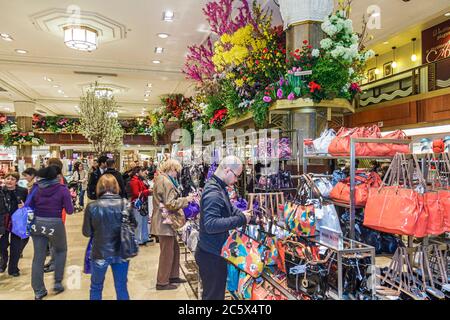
{"x":302,"y":20}
{"x":24,"y":119}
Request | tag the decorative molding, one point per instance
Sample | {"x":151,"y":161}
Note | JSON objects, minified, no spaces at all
{"x":54,"y":20}
{"x":443,"y":83}
{"x":387,"y":97}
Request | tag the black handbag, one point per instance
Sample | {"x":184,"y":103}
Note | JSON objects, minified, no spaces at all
{"x":128,"y":244}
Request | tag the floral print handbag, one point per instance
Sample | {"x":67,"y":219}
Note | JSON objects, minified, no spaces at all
{"x":245,"y":253}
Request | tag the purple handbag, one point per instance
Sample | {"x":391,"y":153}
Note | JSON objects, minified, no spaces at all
{"x":87,"y":258}
{"x":191,"y":211}
{"x":241,"y":204}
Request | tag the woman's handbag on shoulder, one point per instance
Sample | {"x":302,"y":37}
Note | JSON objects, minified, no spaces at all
{"x":128,"y":244}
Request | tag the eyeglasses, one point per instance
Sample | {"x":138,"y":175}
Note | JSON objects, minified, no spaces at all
{"x":237,"y":176}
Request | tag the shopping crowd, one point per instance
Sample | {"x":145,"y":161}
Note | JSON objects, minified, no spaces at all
{"x":149,"y":195}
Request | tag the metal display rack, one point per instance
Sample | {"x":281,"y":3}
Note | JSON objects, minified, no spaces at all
{"x":352,"y":157}
{"x":190,"y":268}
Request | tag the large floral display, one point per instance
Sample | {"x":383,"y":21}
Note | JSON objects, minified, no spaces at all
{"x":243,"y":67}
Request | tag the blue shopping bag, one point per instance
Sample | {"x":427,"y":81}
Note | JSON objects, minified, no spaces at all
{"x":20,"y":218}
{"x":87,"y":258}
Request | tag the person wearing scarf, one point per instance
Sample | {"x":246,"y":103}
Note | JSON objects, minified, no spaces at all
{"x":166,"y":192}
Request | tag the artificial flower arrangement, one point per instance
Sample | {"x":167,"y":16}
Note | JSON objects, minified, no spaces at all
{"x":18,"y":138}
{"x":6,"y":124}
{"x":55,"y":124}
{"x":248,"y":62}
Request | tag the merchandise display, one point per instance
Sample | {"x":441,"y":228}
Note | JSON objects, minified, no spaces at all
{"x":233,"y":150}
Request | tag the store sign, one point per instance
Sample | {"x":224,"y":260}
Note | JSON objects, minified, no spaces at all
{"x":331,"y":238}
{"x":436,"y":42}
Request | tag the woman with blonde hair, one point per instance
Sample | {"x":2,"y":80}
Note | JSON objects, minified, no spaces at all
{"x":102,"y":222}
{"x":167,"y":196}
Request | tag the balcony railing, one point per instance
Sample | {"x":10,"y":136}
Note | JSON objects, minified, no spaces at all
{"x":425,"y":78}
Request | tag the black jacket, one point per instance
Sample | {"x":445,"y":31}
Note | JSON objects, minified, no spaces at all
{"x":92,"y":184}
{"x":9,"y":203}
{"x":217,"y":216}
{"x":119,"y":178}
{"x":102,"y":221}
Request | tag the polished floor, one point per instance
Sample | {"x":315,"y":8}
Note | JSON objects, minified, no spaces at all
{"x":141,"y":276}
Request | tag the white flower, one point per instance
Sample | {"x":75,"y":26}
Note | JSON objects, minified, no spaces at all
{"x":348,"y":25}
{"x":369,"y":54}
{"x":326,"y":43}
{"x":351,"y":71}
{"x":355,"y":38}
{"x":315,"y":53}
{"x":329,"y":28}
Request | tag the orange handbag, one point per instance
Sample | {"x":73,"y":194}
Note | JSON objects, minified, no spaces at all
{"x":395,"y":209}
{"x":435,"y":225}
{"x":422,"y":220}
{"x":340,"y":146}
{"x":396,"y":148}
{"x":341,"y":191}
{"x":444,"y":207}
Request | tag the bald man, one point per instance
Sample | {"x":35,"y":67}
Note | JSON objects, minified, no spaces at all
{"x":217,"y":217}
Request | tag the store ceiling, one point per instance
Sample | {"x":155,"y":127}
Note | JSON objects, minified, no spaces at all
{"x":130,"y":52}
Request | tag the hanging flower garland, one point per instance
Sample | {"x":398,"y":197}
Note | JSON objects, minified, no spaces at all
{"x":19,"y":138}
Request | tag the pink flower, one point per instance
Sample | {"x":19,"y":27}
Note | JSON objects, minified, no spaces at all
{"x":291,"y":96}
{"x":290,"y":72}
{"x":280,"y":94}
{"x":267,"y":99}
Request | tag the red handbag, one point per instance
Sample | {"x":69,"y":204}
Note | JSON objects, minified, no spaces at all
{"x":340,"y":146}
{"x":435,"y":225}
{"x":341,"y":191}
{"x":444,"y":207}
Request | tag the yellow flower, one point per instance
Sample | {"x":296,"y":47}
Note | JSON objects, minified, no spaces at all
{"x":239,"y":82}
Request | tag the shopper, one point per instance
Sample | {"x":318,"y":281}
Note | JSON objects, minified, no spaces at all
{"x":167,"y":193}
{"x":139,"y":191}
{"x":48,"y":204}
{"x":151,"y":169}
{"x":95,"y":176}
{"x":13,"y":198}
{"x":56,"y":162}
{"x":110,"y":169}
{"x":30,"y":176}
{"x":217,"y":217}
{"x":80,"y":175}
{"x":102,"y":222}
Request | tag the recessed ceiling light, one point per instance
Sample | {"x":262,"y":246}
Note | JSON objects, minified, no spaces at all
{"x":60,"y":91}
{"x":168,"y":15}
{"x":163,"y":35}
{"x":159,"y":50}
{"x":447,"y":14}
{"x":386,"y":42}
{"x":145,"y":99}
{"x":21,"y":51}
{"x":147,"y":95}
{"x":48,"y":79}
{"x":55,"y":86}
{"x":156,"y":61}
{"x":149,"y":85}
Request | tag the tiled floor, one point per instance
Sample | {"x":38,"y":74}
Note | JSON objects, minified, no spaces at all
{"x":141,"y":276}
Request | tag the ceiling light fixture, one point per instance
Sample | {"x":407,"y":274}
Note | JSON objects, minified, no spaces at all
{"x":447,"y":14}
{"x":149,"y":85}
{"x":168,"y":15}
{"x":48,"y":79}
{"x":60,"y":91}
{"x":159,"y":50}
{"x":55,"y":86}
{"x":6,"y":37}
{"x":147,"y":95}
{"x":163,"y":35}
{"x":156,"y":61}
{"x":394,"y":63}
{"x":106,"y":93}
{"x":21,"y":51}
{"x":80,"y":38}
{"x":414,"y":56}
{"x":145,"y":99}
{"x":386,"y":42}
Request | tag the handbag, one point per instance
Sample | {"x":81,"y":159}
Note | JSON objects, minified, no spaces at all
{"x":244,"y":252}
{"x":322,"y":143}
{"x":21,"y":219}
{"x":192,"y":210}
{"x":129,"y":247}
{"x":341,"y":192}
{"x":324,"y":185}
{"x":394,"y":209}
{"x":87,"y":258}
{"x":340,"y":145}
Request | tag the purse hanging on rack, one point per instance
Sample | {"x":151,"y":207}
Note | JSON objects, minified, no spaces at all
{"x":245,"y":253}
{"x":435,"y":225}
{"x":299,"y":216}
{"x":341,"y":191}
{"x":444,"y":194}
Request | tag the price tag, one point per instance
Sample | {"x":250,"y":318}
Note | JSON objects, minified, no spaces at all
{"x":332,"y":238}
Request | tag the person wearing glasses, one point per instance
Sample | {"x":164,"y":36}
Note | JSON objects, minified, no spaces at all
{"x":217,"y":217}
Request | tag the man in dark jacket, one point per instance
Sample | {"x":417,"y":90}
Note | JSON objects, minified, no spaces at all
{"x":111,"y":170}
{"x":217,"y":217}
{"x":95,"y":176}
